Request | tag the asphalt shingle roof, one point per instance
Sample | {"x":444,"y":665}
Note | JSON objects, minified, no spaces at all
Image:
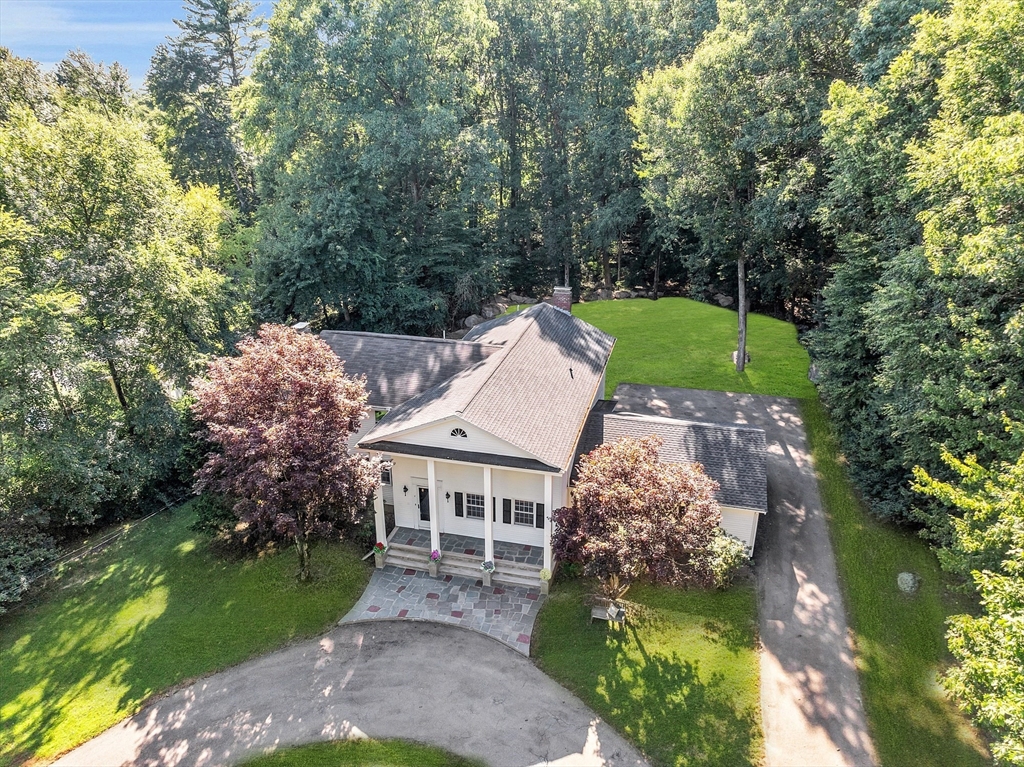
{"x":732,"y":454}
{"x":535,"y":392}
{"x":398,"y":368}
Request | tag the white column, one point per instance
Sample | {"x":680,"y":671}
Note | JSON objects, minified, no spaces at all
{"x":488,"y":518}
{"x":378,"y":515}
{"x":547,"y":521}
{"x":435,"y":511}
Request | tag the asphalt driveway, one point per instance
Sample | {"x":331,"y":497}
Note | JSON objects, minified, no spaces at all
{"x":810,"y":696}
{"x":430,"y":683}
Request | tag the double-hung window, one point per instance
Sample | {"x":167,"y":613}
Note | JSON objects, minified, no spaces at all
{"x":524,"y":513}
{"x":474,"y":506}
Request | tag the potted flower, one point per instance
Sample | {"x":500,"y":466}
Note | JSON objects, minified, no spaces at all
{"x":545,"y":580}
{"x":379,"y":550}
{"x":434,"y":563}
{"x":487,"y":566}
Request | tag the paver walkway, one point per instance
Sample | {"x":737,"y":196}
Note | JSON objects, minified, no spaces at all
{"x":416,"y":681}
{"x":810,"y":695}
{"x":505,"y":613}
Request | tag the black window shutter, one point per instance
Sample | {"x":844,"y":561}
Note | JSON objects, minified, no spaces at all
{"x":506,"y":510}
{"x":539,"y":519}
{"x":494,"y":509}
{"x":458,"y":505}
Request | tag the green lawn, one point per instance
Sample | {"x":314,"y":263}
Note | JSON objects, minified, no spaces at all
{"x":900,"y":640}
{"x":681,"y":683}
{"x":153,"y":610}
{"x":679,"y":342}
{"x":362,"y":753}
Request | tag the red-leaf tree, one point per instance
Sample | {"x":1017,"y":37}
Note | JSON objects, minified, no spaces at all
{"x":633,"y":516}
{"x":280,"y":415}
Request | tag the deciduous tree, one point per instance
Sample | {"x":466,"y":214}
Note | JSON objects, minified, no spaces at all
{"x":634,"y":516}
{"x":280,"y":415}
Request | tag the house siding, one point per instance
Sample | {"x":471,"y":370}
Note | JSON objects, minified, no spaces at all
{"x":476,"y":440}
{"x":741,"y":524}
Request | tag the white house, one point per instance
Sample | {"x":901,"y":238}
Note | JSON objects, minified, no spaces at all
{"x":483,"y":434}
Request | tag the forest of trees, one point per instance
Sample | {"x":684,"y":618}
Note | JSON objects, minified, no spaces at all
{"x":386,"y":165}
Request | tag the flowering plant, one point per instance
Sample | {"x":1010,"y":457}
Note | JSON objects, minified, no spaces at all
{"x":435,"y":556}
{"x":545,"y":574}
{"x":487,"y":566}
{"x":379,"y":548}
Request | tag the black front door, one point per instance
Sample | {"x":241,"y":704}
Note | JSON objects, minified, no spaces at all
{"x":424,"y":505}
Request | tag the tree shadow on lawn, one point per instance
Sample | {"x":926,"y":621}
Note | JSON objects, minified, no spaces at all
{"x":674,"y":681}
{"x":150,"y":613}
{"x":681,"y":715}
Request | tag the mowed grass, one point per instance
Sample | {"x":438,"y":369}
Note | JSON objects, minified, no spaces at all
{"x":153,"y":610}
{"x":362,"y":753}
{"x":901,"y":648}
{"x":681,"y":681}
{"x":684,"y":343}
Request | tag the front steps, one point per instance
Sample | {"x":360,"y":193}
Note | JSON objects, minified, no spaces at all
{"x":508,"y":573}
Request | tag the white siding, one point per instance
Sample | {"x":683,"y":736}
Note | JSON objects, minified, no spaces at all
{"x":740,"y":523}
{"x":476,"y":441}
{"x":465,"y":478}
{"x":364,"y":427}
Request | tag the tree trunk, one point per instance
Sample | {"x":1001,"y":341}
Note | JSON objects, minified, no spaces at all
{"x":302,"y":546}
{"x":741,"y":345}
{"x":657,"y":275}
{"x":115,"y":382}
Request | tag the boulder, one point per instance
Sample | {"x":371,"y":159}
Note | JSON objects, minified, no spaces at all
{"x":515,"y":298}
{"x":622,"y":294}
{"x":492,"y":310}
{"x":724,"y":300}
{"x":472,"y":321}
{"x":604,"y":294}
{"x":457,"y":334}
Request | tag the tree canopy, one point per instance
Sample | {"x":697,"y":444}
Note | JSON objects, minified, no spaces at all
{"x":279,"y":416}
{"x":634,"y":516}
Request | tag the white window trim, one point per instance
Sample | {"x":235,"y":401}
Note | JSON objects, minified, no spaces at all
{"x":516,"y":512}
{"x":482,"y":505}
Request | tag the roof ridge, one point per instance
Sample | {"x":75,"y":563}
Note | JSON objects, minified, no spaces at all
{"x":429,"y":339}
{"x":498,"y":359}
{"x":686,"y":421}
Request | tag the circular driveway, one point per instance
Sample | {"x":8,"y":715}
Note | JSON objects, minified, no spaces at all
{"x":430,"y":683}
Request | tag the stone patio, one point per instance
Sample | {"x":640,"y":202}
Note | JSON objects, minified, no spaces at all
{"x":464,"y":544}
{"x":505,"y":613}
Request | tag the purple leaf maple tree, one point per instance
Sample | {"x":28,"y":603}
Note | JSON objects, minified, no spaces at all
{"x":280,"y":415}
{"x":634,"y":517}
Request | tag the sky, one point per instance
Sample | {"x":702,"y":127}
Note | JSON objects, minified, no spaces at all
{"x":126,"y":31}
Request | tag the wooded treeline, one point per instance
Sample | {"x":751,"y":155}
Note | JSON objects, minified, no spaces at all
{"x":385,"y":165}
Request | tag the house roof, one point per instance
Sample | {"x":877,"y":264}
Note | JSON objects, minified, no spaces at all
{"x":398,"y":368}
{"x":731,"y":454}
{"x":534,"y":392}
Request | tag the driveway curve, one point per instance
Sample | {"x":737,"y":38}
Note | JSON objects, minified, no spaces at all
{"x":811,"y":706}
{"x":441,"y":685}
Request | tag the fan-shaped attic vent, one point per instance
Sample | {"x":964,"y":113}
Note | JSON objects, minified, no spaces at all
{"x":457,"y":432}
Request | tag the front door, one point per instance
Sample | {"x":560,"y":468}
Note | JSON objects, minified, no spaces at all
{"x":424,"y":506}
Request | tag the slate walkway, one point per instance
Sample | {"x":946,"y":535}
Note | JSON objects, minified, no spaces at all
{"x":505,"y":613}
{"x":473,"y":547}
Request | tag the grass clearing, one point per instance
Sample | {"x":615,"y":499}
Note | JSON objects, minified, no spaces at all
{"x":684,"y":343}
{"x":151,"y":611}
{"x":681,"y":682}
{"x":362,"y":753}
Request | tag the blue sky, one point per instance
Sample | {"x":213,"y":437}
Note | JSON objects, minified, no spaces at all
{"x":125,"y":31}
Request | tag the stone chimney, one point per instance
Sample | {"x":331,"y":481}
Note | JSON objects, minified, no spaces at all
{"x":561,"y":298}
